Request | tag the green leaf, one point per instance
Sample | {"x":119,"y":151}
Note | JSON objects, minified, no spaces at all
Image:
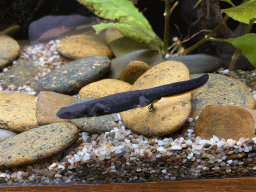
{"x":131,"y":24}
{"x":230,"y":2}
{"x":132,"y":31}
{"x":242,"y":13}
{"x":246,"y":44}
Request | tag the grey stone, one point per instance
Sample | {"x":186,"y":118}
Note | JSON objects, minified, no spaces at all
{"x":51,"y":27}
{"x":221,"y":90}
{"x":200,"y":63}
{"x":92,"y":125}
{"x":70,"y":78}
{"x":21,"y":73}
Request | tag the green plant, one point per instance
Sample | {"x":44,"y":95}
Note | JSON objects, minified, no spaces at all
{"x":131,"y":23}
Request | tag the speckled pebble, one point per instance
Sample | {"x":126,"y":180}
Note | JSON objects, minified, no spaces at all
{"x":93,"y":125}
{"x":21,"y":73}
{"x":133,"y":71}
{"x":228,"y":122}
{"x":170,"y":112}
{"x":74,"y":75}
{"x":151,"y":57}
{"x":9,"y":50}
{"x":103,"y":88}
{"x":5,"y":134}
{"x":48,"y":103}
{"x":36,"y":144}
{"x":222,"y":90}
{"x":18,"y":111}
{"x":80,"y":46}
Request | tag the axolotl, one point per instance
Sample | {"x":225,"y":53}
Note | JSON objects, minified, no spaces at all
{"x":131,"y":99}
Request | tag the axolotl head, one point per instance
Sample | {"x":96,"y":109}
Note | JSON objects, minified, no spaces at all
{"x":72,"y":112}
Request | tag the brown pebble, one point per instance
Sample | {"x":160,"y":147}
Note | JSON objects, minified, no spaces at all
{"x":133,"y":71}
{"x":228,"y":122}
{"x":152,"y":142}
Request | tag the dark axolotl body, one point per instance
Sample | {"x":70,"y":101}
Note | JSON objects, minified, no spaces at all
{"x":128,"y":100}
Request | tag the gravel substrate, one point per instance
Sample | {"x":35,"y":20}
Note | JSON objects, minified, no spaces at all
{"x":123,"y":156}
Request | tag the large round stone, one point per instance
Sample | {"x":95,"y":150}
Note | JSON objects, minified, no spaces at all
{"x":170,"y":112}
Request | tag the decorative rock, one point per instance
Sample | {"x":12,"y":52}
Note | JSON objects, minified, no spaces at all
{"x":170,"y":113}
{"x":221,"y":90}
{"x":125,"y":45}
{"x":51,"y":27}
{"x":93,"y":125}
{"x":5,"y":134}
{"x":103,"y":88}
{"x":133,"y":71}
{"x":80,"y":46}
{"x":73,"y":76}
{"x":36,"y":144}
{"x":228,"y":122}
{"x":9,"y":50}
{"x":48,"y":104}
{"x":18,"y":111}
{"x":151,"y":57}
{"x":199,"y":63}
{"x":21,"y":73}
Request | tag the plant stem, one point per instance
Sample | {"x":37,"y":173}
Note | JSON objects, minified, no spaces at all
{"x":234,"y":59}
{"x":207,"y":37}
{"x":237,"y":53}
{"x":167,"y":14}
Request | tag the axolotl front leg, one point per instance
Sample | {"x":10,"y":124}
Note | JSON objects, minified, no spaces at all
{"x":143,"y":102}
{"x":97,"y":109}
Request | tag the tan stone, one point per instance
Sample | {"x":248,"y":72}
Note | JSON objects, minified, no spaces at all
{"x":104,"y":87}
{"x":80,"y":46}
{"x":17,"y":111}
{"x":170,"y":112}
{"x":133,"y":71}
{"x":228,"y":122}
{"x":9,"y":50}
{"x":48,"y":104}
{"x":36,"y":144}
